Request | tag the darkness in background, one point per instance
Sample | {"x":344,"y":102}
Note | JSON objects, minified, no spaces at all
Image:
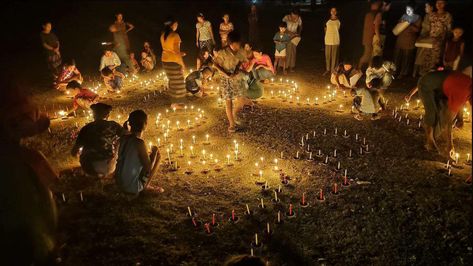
{"x":82,"y":26}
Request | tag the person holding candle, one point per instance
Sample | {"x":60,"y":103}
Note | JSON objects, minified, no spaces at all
{"x":83,"y":97}
{"x":28,"y":211}
{"x":98,"y":141}
{"x":195,"y":81}
{"x":68,"y":73}
{"x":135,"y":168}
{"x":281,"y":39}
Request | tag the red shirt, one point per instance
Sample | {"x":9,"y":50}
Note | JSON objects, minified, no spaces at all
{"x":457,"y":88}
{"x":84,"y":94}
{"x":264,"y":61}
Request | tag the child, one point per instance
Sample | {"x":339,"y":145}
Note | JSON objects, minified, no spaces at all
{"x":281,"y":39}
{"x":261,"y":66}
{"x":135,"y":168}
{"x":113,"y":79}
{"x":332,"y":41}
{"x":225,"y":28}
{"x":136,"y":66}
{"x":147,"y":62}
{"x":383,"y":70}
{"x":69,"y":73}
{"x":194,"y":81}
{"x":363,"y":101}
{"x":83,"y":97}
{"x":204,"y":59}
{"x":454,"y":49}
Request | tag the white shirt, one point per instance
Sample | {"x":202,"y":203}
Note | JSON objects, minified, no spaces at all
{"x":292,"y":25}
{"x":332,"y":37}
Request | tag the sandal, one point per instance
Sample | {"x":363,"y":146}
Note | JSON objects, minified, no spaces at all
{"x":231,"y":129}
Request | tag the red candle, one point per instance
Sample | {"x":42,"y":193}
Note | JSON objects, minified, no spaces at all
{"x":290,"y":209}
{"x":303,"y":198}
{"x":335,"y":188}
{"x":321,"y":194}
{"x":233,"y":215}
{"x":345,"y":180}
{"x":207,"y":228}
{"x":213,"y":219}
{"x":194,"y":222}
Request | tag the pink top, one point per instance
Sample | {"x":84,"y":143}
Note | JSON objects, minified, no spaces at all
{"x":265,"y":60}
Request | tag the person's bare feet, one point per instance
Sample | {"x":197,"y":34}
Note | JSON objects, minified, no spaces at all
{"x":358,"y":117}
{"x":155,"y":188}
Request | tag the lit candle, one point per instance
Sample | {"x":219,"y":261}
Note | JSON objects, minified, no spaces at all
{"x":169,"y":154}
{"x":267,"y":228}
{"x":275,"y":196}
{"x":192,"y":150}
{"x":193,"y":139}
{"x":262,"y":203}
{"x":256,"y":239}
{"x":457,"y":156}
{"x":248,"y":209}
{"x":203,"y":154}
{"x":228,"y":158}
{"x":207,"y":138}
{"x":279,"y":216}
{"x":290,"y":209}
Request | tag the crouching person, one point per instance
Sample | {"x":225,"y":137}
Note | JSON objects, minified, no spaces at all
{"x":112,"y":79}
{"x":83,"y":97}
{"x":195,"y":80}
{"x":97,"y":143}
{"x":135,"y":167}
{"x":364,"y":100}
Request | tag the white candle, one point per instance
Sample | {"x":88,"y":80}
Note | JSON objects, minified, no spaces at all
{"x":256,"y":239}
{"x":189,"y":210}
{"x":267,"y":228}
{"x":279,"y":216}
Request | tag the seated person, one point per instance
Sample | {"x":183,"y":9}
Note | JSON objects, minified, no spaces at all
{"x":345,"y":76}
{"x":148,"y":50}
{"x":99,"y":143}
{"x":147,"y":62}
{"x":364,"y":100}
{"x":83,"y":97}
{"x":112,"y":79}
{"x":135,"y":167}
{"x":381,"y":69}
{"x":68,"y":73}
{"x":261,"y":66}
{"x":136,"y":66}
{"x":110,"y":60}
{"x":204,"y":59}
{"x":194,"y":81}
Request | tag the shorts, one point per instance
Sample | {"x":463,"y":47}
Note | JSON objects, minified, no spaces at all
{"x":281,"y":53}
{"x":231,"y":88}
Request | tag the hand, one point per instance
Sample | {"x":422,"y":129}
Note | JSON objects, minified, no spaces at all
{"x":183,"y":54}
{"x":407,"y":98}
{"x":197,"y":44}
{"x":154,"y":149}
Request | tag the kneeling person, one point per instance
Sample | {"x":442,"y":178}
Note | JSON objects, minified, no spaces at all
{"x":194,"y":81}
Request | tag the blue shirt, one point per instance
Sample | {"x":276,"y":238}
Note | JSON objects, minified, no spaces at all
{"x":282,"y":39}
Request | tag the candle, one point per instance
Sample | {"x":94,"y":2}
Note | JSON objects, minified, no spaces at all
{"x":310,"y":156}
{"x":326,"y":159}
{"x":290,"y":209}
{"x":233,"y":215}
{"x":467,"y":157}
{"x":303,"y":198}
{"x":345,"y":173}
{"x":282,"y":153}
{"x":169,"y":154}
{"x":260,"y":174}
{"x":321,"y":194}
{"x":279,"y":188}
{"x":194,"y":222}
{"x":356,"y":136}
{"x":297,"y":155}
{"x":193,"y":139}
{"x":192,"y":150}
{"x":262,"y":203}
{"x":325,"y":131}
{"x":207,"y":228}
{"x":207,"y":138}
{"x":189,"y":210}
{"x":252,"y":252}
{"x":275,"y":196}
{"x":267,"y":228}
{"x":335,"y":153}
{"x":256,"y":239}
{"x":63,"y":197}
{"x":279,"y":216}
{"x":159,"y":142}
{"x":335,"y":188}
{"x":248,"y":209}
{"x":349,"y":153}
{"x":203,"y":154}
{"x":338,"y":166}
{"x":228,"y":158}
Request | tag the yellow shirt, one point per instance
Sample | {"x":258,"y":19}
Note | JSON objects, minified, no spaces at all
{"x":171,"y":48}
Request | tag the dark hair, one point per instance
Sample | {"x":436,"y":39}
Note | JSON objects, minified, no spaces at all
{"x":137,"y":120}
{"x":244,"y":260}
{"x":200,"y":15}
{"x":100,"y":110}
{"x":70,"y":62}
{"x":167,"y":27}
{"x":375,"y":83}
{"x":233,"y":37}
{"x":257,"y":49}
{"x":295,"y":11}
{"x":202,"y":52}
{"x":377,"y":61}
{"x":207,"y":69}
{"x":45,"y":23}
{"x":106,"y":71}
{"x":283,"y":25}
{"x":73,"y":85}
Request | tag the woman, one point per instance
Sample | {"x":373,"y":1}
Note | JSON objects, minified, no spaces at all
{"x":225,"y":28}
{"x":332,"y":41}
{"x":204,"y":36}
{"x":440,"y":25}
{"x":120,"y":30}
{"x":173,"y":63}
{"x":51,"y":44}
{"x":253,"y":32}
{"x":405,"y":42}
{"x":148,"y":50}
{"x":424,"y":34}
{"x":294,"y":28}
{"x":443,"y":93}
{"x":261,"y":66}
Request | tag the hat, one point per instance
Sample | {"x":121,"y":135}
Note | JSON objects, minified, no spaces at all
{"x":100,"y":110}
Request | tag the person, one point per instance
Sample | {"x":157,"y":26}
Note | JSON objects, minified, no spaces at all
{"x":371,"y":32}
{"x":110,"y":60}
{"x":345,"y":76}
{"x":382,"y":70}
{"x":225,"y":28}
{"x":135,"y":167}
{"x":68,"y":73}
{"x":83,"y":97}
{"x":149,"y":51}
{"x":442,"y":93}
{"x":120,"y":30}
{"x":379,"y":39}
{"x":245,"y":260}
{"x":97,"y":143}
{"x":28,"y":214}
{"x":112,"y":79}
{"x":253,"y":29}
{"x":147,"y":62}
{"x":332,"y":41}
{"x":405,"y":42}
{"x":294,"y":28}
{"x":51,"y":46}
{"x":195,"y":81}
{"x":134,"y":63}
{"x":261,"y":66}
{"x":204,"y":36}
{"x":204,"y":59}
{"x":424,"y":35}
{"x":281,"y":39}
{"x":364,"y":100}
{"x":233,"y":83}
{"x":454,"y":49}
{"x":440,"y":25}
{"x":173,"y":63}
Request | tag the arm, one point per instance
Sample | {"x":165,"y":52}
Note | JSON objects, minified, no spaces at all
{"x":144,"y":158}
{"x":130,"y":27}
{"x":79,"y":143}
{"x":411,"y":93}
{"x":197,"y":36}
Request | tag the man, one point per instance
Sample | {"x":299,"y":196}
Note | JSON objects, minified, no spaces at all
{"x":51,"y":45}
{"x":98,"y":141}
{"x":371,"y":33}
{"x":233,"y":84}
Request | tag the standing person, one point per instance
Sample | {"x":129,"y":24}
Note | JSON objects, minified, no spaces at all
{"x":28,"y":211}
{"x":204,"y":36}
{"x":98,"y":141}
{"x":424,"y":35}
{"x":225,"y":28}
{"x":332,"y":41}
{"x":233,"y":83}
{"x":51,"y":45}
{"x":68,"y":73}
{"x":371,"y":26}
{"x":405,"y":42}
{"x":281,"y":39}
{"x":294,"y":28}
{"x":454,"y":49}
{"x":120,"y":30}
{"x":442,"y":93}
{"x":135,"y":167}
{"x":379,"y":39}
{"x":173,"y":63}
{"x":253,"y":29}
{"x":440,"y":25}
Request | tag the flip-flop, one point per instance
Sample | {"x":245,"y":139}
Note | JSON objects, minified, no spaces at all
{"x":231,"y":129}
